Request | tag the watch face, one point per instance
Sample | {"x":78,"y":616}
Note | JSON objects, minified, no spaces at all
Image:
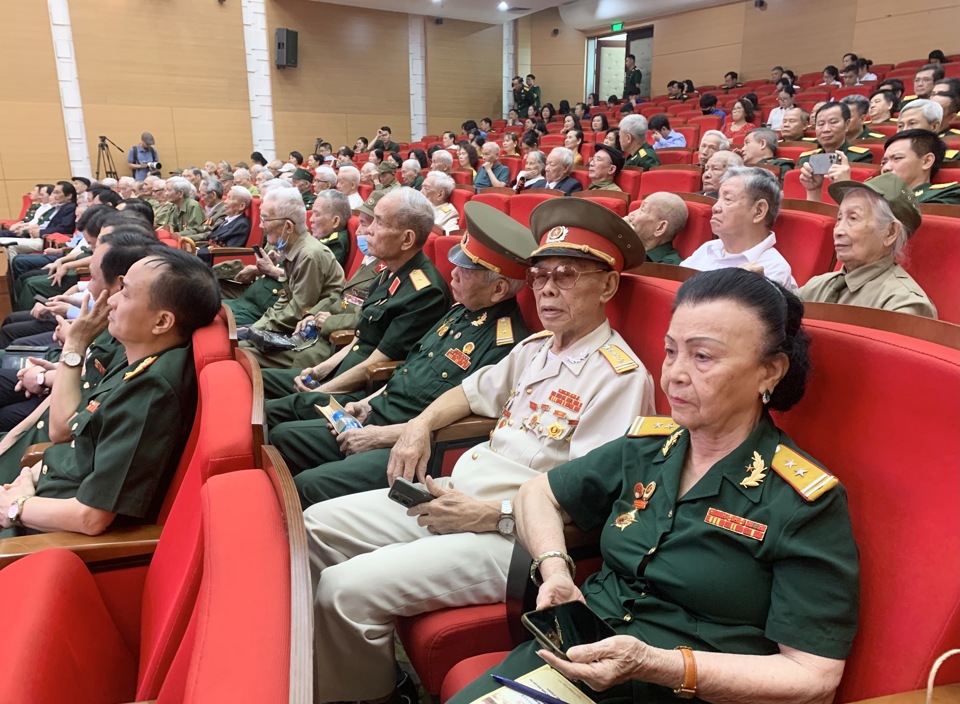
{"x":506,"y":525}
{"x":13,"y":511}
{"x":72,"y":359}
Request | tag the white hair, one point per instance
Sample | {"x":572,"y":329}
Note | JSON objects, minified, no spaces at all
{"x":335,"y":203}
{"x":724,"y":142}
{"x":241,"y":193}
{"x":241,"y":174}
{"x":444,"y":156}
{"x":368,"y":167}
{"x":278,"y":183}
{"x":213,"y":184}
{"x":494,"y":147}
{"x":566,"y":157}
{"x":444,"y":182}
{"x":182,"y":186}
{"x":932,"y":112}
{"x":411,"y":164}
{"x":350,"y":173}
{"x":884,"y":218}
{"x":289,"y":204}
{"x":635,"y":126}
{"x":110,"y":183}
{"x":127,"y":182}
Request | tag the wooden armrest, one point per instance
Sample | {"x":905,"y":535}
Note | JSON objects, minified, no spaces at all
{"x":229,"y":251}
{"x":341,"y":338}
{"x":381,"y":371}
{"x":82,"y":270}
{"x":120,"y":543}
{"x":466,"y":428}
{"x":34,"y":454}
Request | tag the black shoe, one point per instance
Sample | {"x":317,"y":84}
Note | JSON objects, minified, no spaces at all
{"x":406,"y":691}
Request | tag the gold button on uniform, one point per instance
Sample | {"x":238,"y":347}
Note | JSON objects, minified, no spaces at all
{"x":404,"y":370}
{"x":444,"y":375}
{"x":430,"y":354}
{"x":628,"y":618}
{"x":44,"y":469}
{"x":475,"y":455}
{"x":529,"y":391}
{"x":40,"y":425}
{"x":356,"y":347}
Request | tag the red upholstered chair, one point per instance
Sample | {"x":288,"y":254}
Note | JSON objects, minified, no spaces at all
{"x":441,"y":250}
{"x":793,"y":150}
{"x":839,"y":93}
{"x":931,"y":258}
{"x":463,"y":176}
{"x":805,"y":240}
{"x":554,"y":127}
{"x":552,"y":140}
{"x":24,"y":206}
{"x":697,"y":230}
{"x":706,"y":122}
{"x":582,"y":174}
{"x":522,"y":205}
{"x":365,"y":189}
{"x":617,"y":202}
{"x":630,"y":180}
{"x":356,"y":256}
{"x":876,"y":149}
{"x":514,"y":163}
{"x":677,"y":155}
{"x":676,"y":178}
{"x":255,"y":596}
{"x":458,"y":198}
{"x":500,"y":201}
{"x":67,"y":606}
{"x":690,"y":131}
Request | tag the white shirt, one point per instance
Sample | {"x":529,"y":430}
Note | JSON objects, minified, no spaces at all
{"x":868,"y":77}
{"x":711,"y":255}
{"x":356,"y":200}
{"x":44,"y":207}
{"x":775,"y":118}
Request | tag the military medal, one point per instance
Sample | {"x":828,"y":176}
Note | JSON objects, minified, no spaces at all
{"x":394,"y":286}
{"x":469,"y":348}
{"x":625,"y":519}
{"x":99,"y":366}
{"x":756,"y":469}
{"x":480,"y":321}
{"x":671,"y":441}
{"x":555,"y":431}
{"x":93,"y":406}
{"x":443,"y":330}
{"x":735,"y":524}
{"x":642,"y":494}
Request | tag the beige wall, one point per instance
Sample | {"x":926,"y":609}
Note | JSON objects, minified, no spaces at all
{"x":557,"y":62}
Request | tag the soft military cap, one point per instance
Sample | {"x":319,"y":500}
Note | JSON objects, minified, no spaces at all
{"x":577,"y":227}
{"x":893,"y":190}
{"x":288,"y":168}
{"x":370,"y":203}
{"x":302,"y":175}
{"x":226,"y":176}
{"x":176,"y":172}
{"x":387,"y":166}
{"x":616,"y":156}
{"x":493,"y":241}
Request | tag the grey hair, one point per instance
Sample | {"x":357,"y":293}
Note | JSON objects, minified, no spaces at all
{"x":241,"y":193}
{"x":368,"y":166}
{"x":225,"y":165}
{"x":670,"y":207}
{"x":213,"y":184}
{"x":493,"y":146}
{"x":277,"y":184}
{"x":514,"y":286}
{"x":336,"y":204}
{"x":566,"y":158}
{"x":411,"y":164}
{"x":731,"y":159}
{"x":444,"y":182}
{"x":414,"y":212}
{"x":241,"y":174}
{"x":351,"y":173}
{"x":724,"y":142}
{"x":932,"y":112}
{"x":540,"y":157}
{"x":767,"y":135}
{"x":885,"y":219}
{"x":256,"y":168}
{"x":127,"y":182}
{"x":290,"y":206}
{"x":635,"y":126}
{"x":327,"y":175}
{"x":159,"y":182}
{"x":759,"y":184}
{"x":110,"y":183}
{"x":444,"y":156}
{"x":181,"y":186}
{"x":860,"y":102}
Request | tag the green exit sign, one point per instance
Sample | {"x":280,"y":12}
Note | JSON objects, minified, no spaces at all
{"x":616,"y":27}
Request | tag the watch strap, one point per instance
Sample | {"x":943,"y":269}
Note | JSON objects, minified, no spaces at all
{"x":20,"y":502}
{"x":687,"y":688}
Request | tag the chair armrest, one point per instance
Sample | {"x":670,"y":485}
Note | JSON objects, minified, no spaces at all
{"x":34,"y":454}
{"x":470,"y":428}
{"x":117,"y":544}
{"x":229,"y":251}
{"x":341,"y":338}
{"x":380,"y":373}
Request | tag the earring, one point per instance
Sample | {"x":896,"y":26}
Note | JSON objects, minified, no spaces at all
{"x":766,"y":397}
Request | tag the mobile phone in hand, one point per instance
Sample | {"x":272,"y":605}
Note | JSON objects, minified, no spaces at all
{"x":408,"y":494}
{"x":561,"y":627}
{"x":257,"y":250}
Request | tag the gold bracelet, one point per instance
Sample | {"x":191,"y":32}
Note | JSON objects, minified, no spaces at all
{"x":547,"y":555}
{"x":687,"y":688}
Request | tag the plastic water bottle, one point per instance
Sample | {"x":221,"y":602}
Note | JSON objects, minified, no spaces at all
{"x":309,"y":330}
{"x":344,"y":421}
{"x":310,"y":382}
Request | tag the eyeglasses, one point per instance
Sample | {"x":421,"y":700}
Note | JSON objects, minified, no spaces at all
{"x":564,"y":276}
{"x":266,"y":220}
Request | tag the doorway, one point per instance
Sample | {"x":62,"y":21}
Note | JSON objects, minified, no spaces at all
{"x":608,"y":54}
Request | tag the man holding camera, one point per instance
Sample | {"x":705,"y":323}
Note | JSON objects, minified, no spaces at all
{"x":141,"y":155}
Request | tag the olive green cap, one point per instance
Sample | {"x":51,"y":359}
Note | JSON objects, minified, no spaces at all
{"x":370,"y":203}
{"x":302,"y":175}
{"x":387,"y":166}
{"x":493,"y":241}
{"x":226,"y":176}
{"x":578,"y":227}
{"x":892,"y":189}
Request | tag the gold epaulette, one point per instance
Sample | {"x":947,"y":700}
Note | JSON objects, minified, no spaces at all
{"x":858,"y":150}
{"x":937,"y":186}
{"x":651,"y":426}
{"x":504,"y":331}
{"x":446,"y":208}
{"x":642,"y":153}
{"x":419,"y":279}
{"x":808,"y":139}
{"x":330,"y":238}
{"x":140,"y":368}
{"x":812,"y":151}
{"x":538,"y":336}
{"x":618,"y":359}
{"x":950,"y":153}
{"x":809,"y":480}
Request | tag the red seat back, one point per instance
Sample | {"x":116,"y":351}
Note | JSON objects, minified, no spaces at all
{"x":631,"y":182}
{"x":462,"y":176}
{"x":677,"y":155}
{"x":365,"y":189}
{"x":583,"y":176}
{"x":617,"y":205}
{"x":500,"y":201}
{"x":458,"y":199}
{"x":806,"y":241}
{"x":523,"y":204}
{"x":885,"y":381}
{"x":691,"y":133}
{"x":514,"y":163}
{"x":256,"y":230}
{"x":697,"y":231}
{"x":224,"y":444}
{"x":429,"y":247}
{"x":931,"y":259}
{"x":356,"y":256}
{"x":441,"y":250}
{"x":671,"y":180}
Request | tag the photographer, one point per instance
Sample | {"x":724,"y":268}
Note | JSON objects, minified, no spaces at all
{"x":141,"y":155}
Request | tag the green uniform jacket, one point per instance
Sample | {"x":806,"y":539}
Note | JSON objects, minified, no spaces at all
{"x":308,"y":199}
{"x":947,"y":193}
{"x":417,"y":183}
{"x":521,"y":98}
{"x":674,"y":575}
{"x":256,"y":299}
{"x":784,"y":164}
{"x":42,"y":285}
{"x":311,"y":276}
{"x":345,"y":313}
{"x":388,"y":147}
{"x":664,"y":254}
{"x":867,"y":133}
{"x":28,"y":216}
{"x":533,"y":97}
{"x":951,"y":155}
{"x":339,"y":244}
{"x":128,"y":438}
{"x":199,"y":232}
{"x":604,"y":186}
{"x":631,"y":79}
{"x":645,"y":158}
{"x":854,"y":155}
{"x":189,"y":214}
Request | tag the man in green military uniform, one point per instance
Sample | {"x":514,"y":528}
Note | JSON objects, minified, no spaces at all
{"x":521,"y":96}
{"x":214,"y":210}
{"x":479,"y":330}
{"x":831,"y":125}
{"x":184,"y":211}
{"x":633,"y":139}
{"x":606,"y":163}
{"x":859,"y":107}
{"x":331,"y":212}
{"x":631,"y":76}
{"x":127,"y":440}
{"x":657,"y":221}
{"x":533,"y":92}
{"x":760,"y":147}
{"x":387,"y":176}
{"x":302,"y":179}
{"x":405,"y":300}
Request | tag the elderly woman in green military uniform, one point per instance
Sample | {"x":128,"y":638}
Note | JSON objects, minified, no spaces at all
{"x":730,"y":569}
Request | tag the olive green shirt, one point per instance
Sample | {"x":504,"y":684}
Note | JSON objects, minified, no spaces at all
{"x":605,"y":185}
{"x":339,"y":243}
{"x":533,"y":97}
{"x":188,"y":214}
{"x":211,"y":221}
{"x":308,"y":199}
{"x":345,"y":313}
{"x":854,"y":155}
{"x":883,"y":284}
{"x":664,"y":254}
{"x":672,"y":577}
{"x":645,"y":157}
{"x":784,"y":165}
{"x":631,"y":79}
{"x":945,"y":193}
{"x":417,"y":183}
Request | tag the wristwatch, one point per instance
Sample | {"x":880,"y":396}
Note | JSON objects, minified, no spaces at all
{"x":507,"y":522}
{"x":16,"y":510}
{"x":71,"y":358}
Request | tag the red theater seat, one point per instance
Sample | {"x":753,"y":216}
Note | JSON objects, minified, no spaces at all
{"x":458,"y":198}
{"x":630,"y":181}
{"x":805,"y":239}
{"x":677,"y":178}
{"x":931,"y":259}
{"x":523,"y":204}
{"x":441,"y":249}
{"x":676,"y":155}
{"x":617,"y":202}
{"x":500,"y":201}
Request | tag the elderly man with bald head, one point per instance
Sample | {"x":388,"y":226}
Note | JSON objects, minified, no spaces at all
{"x":491,"y":171}
{"x":657,"y":221}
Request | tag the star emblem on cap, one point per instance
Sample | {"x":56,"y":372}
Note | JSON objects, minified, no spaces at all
{"x":557,"y":234}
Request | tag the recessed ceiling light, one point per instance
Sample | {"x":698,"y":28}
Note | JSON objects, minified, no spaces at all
{"x":503,"y":7}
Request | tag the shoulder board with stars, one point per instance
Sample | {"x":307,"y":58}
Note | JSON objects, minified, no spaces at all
{"x":812,"y":151}
{"x":858,"y":150}
{"x":938,"y":186}
{"x":504,"y":331}
{"x":419,"y":279}
{"x":651,"y":426}
{"x":618,"y":359}
{"x":807,"y":479}
{"x":538,"y":336}
{"x":140,"y":368}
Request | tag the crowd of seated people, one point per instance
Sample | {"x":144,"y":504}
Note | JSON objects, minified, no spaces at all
{"x":107,"y":312}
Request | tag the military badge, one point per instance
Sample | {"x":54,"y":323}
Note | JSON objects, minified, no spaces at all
{"x":642,"y":494}
{"x":735,"y":524}
{"x":756,"y":469}
{"x":557,"y":234}
{"x":625,"y":519}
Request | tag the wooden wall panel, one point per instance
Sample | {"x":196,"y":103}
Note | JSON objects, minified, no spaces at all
{"x":890,"y":32}
{"x":557,"y":62}
{"x":123,"y":124}
{"x":33,"y":147}
{"x":700,"y":45}
{"x":464,"y":72}
{"x":522,"y":36}
{"x":352,"y":62}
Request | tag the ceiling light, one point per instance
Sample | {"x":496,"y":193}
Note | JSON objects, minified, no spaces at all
{"x":503,"y":7}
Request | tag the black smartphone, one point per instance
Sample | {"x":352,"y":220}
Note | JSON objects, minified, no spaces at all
{"x":408,"y":494}
{"x":563,"y":626}
{"x":257,"y":250}
{"x":41,"y":299}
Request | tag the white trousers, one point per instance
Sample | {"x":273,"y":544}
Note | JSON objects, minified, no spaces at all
{"x":372,"y":563}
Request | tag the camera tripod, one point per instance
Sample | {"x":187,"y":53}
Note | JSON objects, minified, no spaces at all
{"x":105,"y":159}
{"x":316,"y":145}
